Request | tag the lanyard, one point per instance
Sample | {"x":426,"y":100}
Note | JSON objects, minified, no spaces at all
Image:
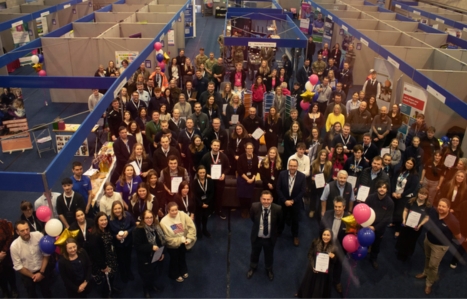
{"x":33,"y":223}
{"x":83,"y":231}
{"x":369,"y":145}
{"x":139,"y":162}
{"x":130,"y":188}
{"x":185,"y":203}
{"x":321,"y":168}
{"x":217,"y":135}
{"x":176,"y":122}
{"x":294,"y":140}
{"x":71,"y":200}
{"x":137,"y":107}
{"x":401,"y":178}
{"x":356,"y":163}
{"x":291,"y":183}
{"x":188,"y":134}
{"x":188,"y":93}
{"x":347,"y":141}
{"x":205,"y":187}
{"x":141,"y":206}
{"x":238,"y":141}
{"x":217,"y":159}
{"x":272,"y":169}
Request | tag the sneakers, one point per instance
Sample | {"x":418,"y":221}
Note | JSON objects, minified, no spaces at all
{"x":453,"y":265}
{"x":221,"y":215}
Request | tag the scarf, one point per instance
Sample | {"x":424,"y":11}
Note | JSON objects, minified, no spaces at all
{"x":152,"y":231}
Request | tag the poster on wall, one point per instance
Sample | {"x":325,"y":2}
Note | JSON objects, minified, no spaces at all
{"x":328,"y":26}
{"x":347,"y":39}
{"x":384,"y":75}
{"x":171,"y":37}
{"x":454,"y":32}
{"x":318,"y":26}
{"x":413,"y":103}
{"x":190,"y":21}
{"x":61,"y":140}
{"x":306,"y":17}
{"x":122,"y":55}
{"x":69,"y":34}
{"x":41,"y":24}
{"x":20,"y":34}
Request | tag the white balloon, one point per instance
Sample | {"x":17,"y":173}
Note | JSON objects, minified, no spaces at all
{"x":53,"y":227}
{"x":371,"y":220}
{"x":35,"y":59}
{"x":160,"y":52}
{"x":309,"y":86}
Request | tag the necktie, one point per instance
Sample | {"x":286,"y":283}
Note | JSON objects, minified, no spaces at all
{"x":165,"y":153}
{"x":265,"y":223}
{"x":128,"y":147}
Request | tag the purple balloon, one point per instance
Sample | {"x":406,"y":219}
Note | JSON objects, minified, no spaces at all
{"x":159,"y":57}
{"x":360,"y":254}
{"x":366,"y":236}
{"x":41,"y":58}
{"x":46,"y":244}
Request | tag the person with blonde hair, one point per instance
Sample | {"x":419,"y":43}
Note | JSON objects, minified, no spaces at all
{"x":269,"y":170}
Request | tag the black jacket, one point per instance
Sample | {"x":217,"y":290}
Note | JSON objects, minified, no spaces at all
{"x":67,"y":271}
{"x":365,"y":179}
{"x":328,"y":219}
{"x":360,"y":122}
{"x":142,"y":246}
{"x":256,"y":212}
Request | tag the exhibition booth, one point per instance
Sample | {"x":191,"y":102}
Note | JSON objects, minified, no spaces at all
{"x":133,"y":28}
{"x":408,"y":60}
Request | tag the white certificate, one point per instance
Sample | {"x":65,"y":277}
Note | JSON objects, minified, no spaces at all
{"x":224,"y":108}
{"x":175,"y":182}
{"x":216,"y":171}
{"x":136,"y":167}
{"x":322,"y":262}
{"x":449,"y":161}
{"x":320,"y":182}
{"x":413,"y":219}
{"x":385,"y":151}
{"x":257,"y":133}
{"x":157,"y":255}
{"x":363,"y":192}
{"x":352,"y":180}
{"x":234,"y":119}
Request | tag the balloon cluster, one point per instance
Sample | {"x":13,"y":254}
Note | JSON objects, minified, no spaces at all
{"x":54,"y":229}
{"x":357,"y":241}
{"x":37,"y":61}
{"x":309,"y":95}
{"x":161,"y":57}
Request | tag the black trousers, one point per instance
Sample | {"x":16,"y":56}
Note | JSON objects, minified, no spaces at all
{"x":148,"y":274}
{"x":30,"y":286}
{"x":291,"y":217}
{"x":201,"y":218}
{"x":259,"y":108}
{"x":265,"y":244}
{"x":8,"y":277}
{"x":219,"y":187}
{"x":459,"y":250}
{"x":177,"y":265}
{"x":322,"y":107}
{"x":124,"y":261}
{"x":375,"y":247}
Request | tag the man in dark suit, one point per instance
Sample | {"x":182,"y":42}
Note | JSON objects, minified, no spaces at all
{"x":291,"y":188}
{"x":216,"y":132}
{"x":332,"y":219}
{"x":267,"y":219}
{"x":162,"y":153}
{"x":122,"y":150}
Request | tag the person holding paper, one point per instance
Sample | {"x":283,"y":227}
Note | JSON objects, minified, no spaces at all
{"x":171,"y":177}
{"x":303,"y":160}
{"x":148,"y":239}
{"x":291,"y":187}
{"x":453,"y":150}
{"x":140,"y":160}
{"x":322,"y":255}
{"x":393,"y":151}
{"x":238,"y":139}
{"x":216,"y":132}
{"x":450,"y":173}
{"x":433,"y":175}
{"x":338,"y":159}
{"x":184,"y":199}
{"x":413,"y":218}
{"x":314,"y":144}
{"x":404,"y":185}
{"x":416,"y":152}
{"x":162,"y":153}
{"x":218,"y":166}
{"x":127,"y":183}
{"x":321,"y":169}
{"x":273,"y":128}
{"x":269,"y":170}
{"x":355,"y":164}
{"x":291,"y":139}
{"x":251,"y":123}
{"x":339,"y":187}
{"x":267,"y":220}
{"x":143,"y":200}
{"x":371,"y":175}
{"x":454,"y":190}
{"x":235,"y":111}
{"x":441,"y":229}
{"x":180,"y":234}
{"x":203,"y":192}
{"x":247,"y":169}
{"x":382,"y":204}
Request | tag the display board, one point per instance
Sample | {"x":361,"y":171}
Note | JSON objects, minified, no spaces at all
{"x":413,"y":103}
{"x":122,"y":55}
{"x":189,"y":21}
{"x":61,"y":140}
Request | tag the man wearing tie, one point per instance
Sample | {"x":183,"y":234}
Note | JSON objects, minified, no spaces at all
{"x":267,"y":218}
{"x":291,"y":187}
{"x":122,"y":150}
{"x":372,"y":87}
{"x":333,"y":219}
{"x":160,"y":159}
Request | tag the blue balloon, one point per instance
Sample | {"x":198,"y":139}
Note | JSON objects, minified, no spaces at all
{"x":159,"y":57}
{"x":46,"y":244}
{"x":360,"y":254}
{"x":315,"y":97}
{"x":366,"y":236}
{"x":41,"y":58}
{"x":445,"y":139}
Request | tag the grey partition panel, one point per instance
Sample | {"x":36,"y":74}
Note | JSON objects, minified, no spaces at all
{"x":146,"y":30}
{"x":383,"y":37}
{"x":456,"y":53}
{"x":66,"y":16}
{"x":443,"y":62}
{"x":152,"y":17}
{"x":84,"y":9}
{"x":25,"y":8}
{"x":164,"y":8}
{"x":418,"y":57}
{"x":409,"y":41}
{"x":366,"y":7}
{"x":53,"y":2}
{"x":433,"y":39}
{"x":383,"y":15}
{"x":347,"y":14}
{"x":111,"y":16}
{"x":172,"y":2}
{"x":361,"y":24}
{"x":404,"y":26}
{"x":180,"y":32}
{"x":111,"y":32}
{"x":126,"y":7}
{"x":90,"y":29}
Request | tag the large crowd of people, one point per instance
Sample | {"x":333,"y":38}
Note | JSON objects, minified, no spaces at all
{"x":178,"y":134}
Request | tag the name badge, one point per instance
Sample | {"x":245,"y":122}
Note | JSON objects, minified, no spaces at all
{"x":379,"y":128}
{"x":272,"y":177}
{"x":248,"y":173}
{"x":270,"y":130}
{"x":345,"y":147}
{"x":203,"y":197}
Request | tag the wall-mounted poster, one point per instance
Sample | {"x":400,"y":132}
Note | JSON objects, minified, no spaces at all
{"x":328,"y":26}
{"x":190,"y":18}
{"x":306,"y":17}
{"x":413,"y":103}
{"x":318,"y":26}
{"x":61,"y":140}
{"x":171,"y":37}
{"x":128,"y":55}
{"x":20,"y":33}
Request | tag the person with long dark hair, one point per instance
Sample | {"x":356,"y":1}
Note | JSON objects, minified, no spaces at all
{"x":408,"y":236}
{"x":180,"y":232}
{"x":143,"y":200}
{"x":185,"y":200}
{"x":338,"y":159}
{"x":84,"y":225}
{"x":291,"y":138}
{"x":196,"y":151}
{"x":454,"y":190}
{"x":121,"y":227}
{"x":329,"y":137}
{"x":75,"y":269}
{"x":103,"y":258}
{"x":404,"y":186}
{"x":273,"y":128}
{"x":203,"y":192}
{"x":314,"y":144}
{"x":247,"y":169}
{"x":433,"y":175}
{"x":317,"y":284}
{"x":127,"y":183}
{"x":320,"y":165}
{"x":148,"y":239}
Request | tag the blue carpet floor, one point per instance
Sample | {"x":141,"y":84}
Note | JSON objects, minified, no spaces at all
{"x":218,"y":266}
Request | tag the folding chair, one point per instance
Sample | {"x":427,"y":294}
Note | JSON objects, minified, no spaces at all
{"x":42,"y":137}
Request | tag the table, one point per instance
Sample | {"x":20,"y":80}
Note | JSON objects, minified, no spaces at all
{"x":61,"y":139}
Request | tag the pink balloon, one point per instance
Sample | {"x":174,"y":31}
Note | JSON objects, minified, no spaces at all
{"x":370,"y":220}
{"x":304,"y":105}
{"x":361,"y":212}
{"x":42,"y":73}
{"x":44,"y":213}
{"x":157,"y":46}
{"x":313,"y":79}
{"x":350,"y":243}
